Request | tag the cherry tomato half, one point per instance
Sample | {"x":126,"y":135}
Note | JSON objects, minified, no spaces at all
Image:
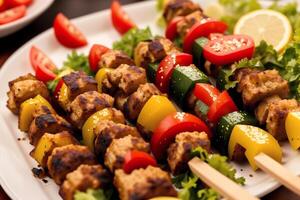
{"x":37,"y":57}
{"x":12,"y":14}
{"x":136,"y":160}
{"x":67,"y":33}
{"x":15,"y":3}
{"x":171,"y":30}
{"x":172,"y":125}
{"x":3,"y":5}
{"x":95,"y":54}
{"x":207,"y":93}
{"x":120,"y":19}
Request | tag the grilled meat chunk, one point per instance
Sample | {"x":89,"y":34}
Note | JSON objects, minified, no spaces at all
{"x":120,"y":100}
{"x":117,"y":150}
{"x":47,"y":123}
{"x":23,"y":88}
{"x":83,"y":178}
{"x":262,"y":110}
{"x":66,"y":159}
{"x":256,"y":86}
{"x":143,"y":184}
{"x":277,"y":114}
{"x":125,"y":78}
{"x":114,"y":58}
{"x":106,"y":131}
{"x":138,"y":99}
{"x":86,"y":104}
{"x":188,"y":21}
{"x":179,"y":152}
{"x":179,"y":8}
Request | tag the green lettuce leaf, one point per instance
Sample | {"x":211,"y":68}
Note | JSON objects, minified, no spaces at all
{"x":92,"y":194}
{"x":51,"y":85}
{"x":77,"y":62}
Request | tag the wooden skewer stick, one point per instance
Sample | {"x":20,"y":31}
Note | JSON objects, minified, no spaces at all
{"x":280,"y":173}
{"x":223,"y":185}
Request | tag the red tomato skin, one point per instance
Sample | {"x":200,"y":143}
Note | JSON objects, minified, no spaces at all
{"x":120,"y":19}
{"x":3,"y":5}
{"x":95,"y":54}
{"x":220,"y":58}
{"x":44,"y":74}
{"x":172,"y":125}
{"x":15,"y":3}
{"x":37,"y":57}
{"x":57,"y":88}
{"x":202,"y":29}
{"x":171,"y":30}
{"x":19,"y":12}
{"x":136,"y":160}
{"x":214,"y":36}
{"x":167,"y":66}
{"x":222,"y":106}
{"x":66,"y":36}
{"x":207,"y":93}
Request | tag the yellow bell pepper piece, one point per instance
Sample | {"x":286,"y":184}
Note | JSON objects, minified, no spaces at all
{"x":292,"y":127}
{"x":155,"y":110}
{"x":91,"y":123}
{"x":64,"y":96}
{"x":27,"y":109}
{"x":65,"y":72}
{"x":100,"y":76}
{"x":255,"y":140}
{"x":48,"y":142}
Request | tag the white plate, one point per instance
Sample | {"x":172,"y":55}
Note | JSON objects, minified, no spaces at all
{"x":16,"y":164}
{"x":33,"y":11}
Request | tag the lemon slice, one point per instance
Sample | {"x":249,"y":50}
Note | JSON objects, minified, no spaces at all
{"x":214,"y":10}
{"x":268,"y":25}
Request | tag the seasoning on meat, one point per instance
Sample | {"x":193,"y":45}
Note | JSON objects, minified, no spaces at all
{"x":117,"y":150}
{"x":180,"y":151}
{"x":114,"y":58}
{"x":143,"y":184}
{"x":86,"y":104}
{"x":120,"y":100}
{"x":66,"y":159}
{"x":83,"y":178}
{"x":262,"y":110}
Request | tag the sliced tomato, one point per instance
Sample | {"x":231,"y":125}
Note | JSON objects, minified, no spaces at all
{"x":222,"y":106}
{"x":57,"y":88}
{"x":3,"y":5}
{"x":15,"y":3}
{"x":67,"y":33}
{"x":95,"y":54}
{"x":136,"y":160}
{"x":12,"y":14}
{"x":120,"y":19}
{"x":166,"y":68}
{"x":171,"y":31}
{"x":202,"y":29}
{"x":44,"y":74}
{"x":37,"y":57}
{"x":207,"y":93}
{"x":170,"y":126}
{"x":229,"y":49}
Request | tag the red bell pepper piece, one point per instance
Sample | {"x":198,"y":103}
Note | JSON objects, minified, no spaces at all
{"x":166,"y":68}
{"x":220,"y":107}
{"x":136,"y":160}
{"x":214,"y":36}
{"x":120,"y":19}
{"x":229,"y":49}
{"x":172,"y":125}
{"x":95,"y":55}
{"x":207,"y":93}
{"x":57,"y":88}
{"x":202,"y":29}
{"x":171,"y":31}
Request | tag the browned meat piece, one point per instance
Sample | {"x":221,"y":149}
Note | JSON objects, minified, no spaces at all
{"x":47,"y":123}
{"x":117,"y":150}
{"x":66,"y":159}
{"x":120,"y":100}
{"x":241,"y":74}
{"x":23,"y":88}
{"x":142,"y":56}
{"x":126,"y":78}
{"x":86,"y":104}
{"x":258,"y":85}
{"x":143,"y":184}
{"x":278,"y":111}
{"x":179,"y":8}
{"x":106,"y":131}
{"x":138,"y":99}
{"x":262,"y":110}
{"x":179,"y":152}
{"x":188,"y":21}
{"x":114,"y":58}
{"x":83,"y":178}
{"x":78,"y":83}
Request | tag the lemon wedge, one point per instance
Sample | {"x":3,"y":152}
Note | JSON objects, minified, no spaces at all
{"x":268,"y":25}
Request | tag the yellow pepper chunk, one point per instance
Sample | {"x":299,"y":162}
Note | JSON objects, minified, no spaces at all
{"x":64,"y":96}
{"x":91,"y":123}
{"x":48,"y":142}
{"x":292,"y":127}
{"x":255,"y":140}
{"x":155,"y":110}
{"x":27,"y":109}
{"x":100,"y":76}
